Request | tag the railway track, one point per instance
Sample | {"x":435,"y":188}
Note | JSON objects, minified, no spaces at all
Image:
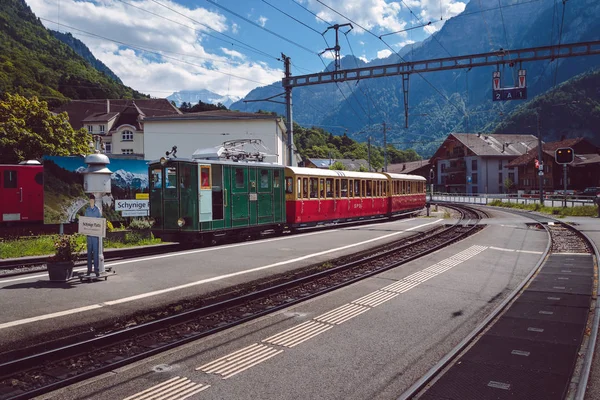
{"x":565,"y":241}
{"x":30,"y":373}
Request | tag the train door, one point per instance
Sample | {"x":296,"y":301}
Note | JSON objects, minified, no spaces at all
{"x":170,"y":197}
{"x":265,"y":195}
{"x":12,"y":195}
{"x":205,"y":194}
{"x":240,"y":213}
{"x":278,"y":196}
{"x":253,"y":196}
{"x":156,"y":196}
{"x":219,"y":201}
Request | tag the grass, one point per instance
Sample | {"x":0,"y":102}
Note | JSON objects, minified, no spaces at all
{"x":44,"y":245}
{"x":561,"y":212}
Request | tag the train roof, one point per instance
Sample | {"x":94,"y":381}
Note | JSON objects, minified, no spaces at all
{"x":405,"y":177}
{"x":335,"y":173}
{"x":221,"y":162}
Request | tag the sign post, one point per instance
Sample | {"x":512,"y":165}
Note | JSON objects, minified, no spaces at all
{"x":512,"y":93}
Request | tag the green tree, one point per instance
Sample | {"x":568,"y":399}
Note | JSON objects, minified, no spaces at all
{"x":338,"y":166}
{"x":28,"y":130}
{"x":508,"y":185}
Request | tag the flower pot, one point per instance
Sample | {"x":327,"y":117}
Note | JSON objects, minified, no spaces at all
{"x":60,"y":271}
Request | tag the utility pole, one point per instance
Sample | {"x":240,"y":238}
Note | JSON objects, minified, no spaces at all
{"x":369,"y":152}
{"x":288,"y":109}
{"x":540,"y":158}
{"x":384,"y":148}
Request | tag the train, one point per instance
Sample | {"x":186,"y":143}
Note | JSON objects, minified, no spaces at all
{"x":204,"y":201}
{"x":21,"y":193}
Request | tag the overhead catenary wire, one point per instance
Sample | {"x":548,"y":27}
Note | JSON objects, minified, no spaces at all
{"x":560,"y":32}
{"x":261,"y":27}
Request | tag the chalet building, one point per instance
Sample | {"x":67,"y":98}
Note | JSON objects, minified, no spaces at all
{"x":120,"y":123}
{"x":479,"y":163}
{"x":209,"y":129}
{"x":421,"y":168}
{"x":325,"y":163}
{"x":583,"y":172}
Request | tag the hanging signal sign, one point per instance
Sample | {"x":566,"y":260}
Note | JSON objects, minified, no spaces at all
{"x":512,"y":93}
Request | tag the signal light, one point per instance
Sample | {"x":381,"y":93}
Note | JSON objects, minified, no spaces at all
{"x":564,"y":155}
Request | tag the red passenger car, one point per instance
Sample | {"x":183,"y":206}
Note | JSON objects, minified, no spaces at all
{"x":316,"y":196}
{"x":21,"y":193}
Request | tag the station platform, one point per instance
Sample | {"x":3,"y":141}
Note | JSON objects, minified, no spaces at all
{"x":370,"y":340}
{"x":33,"y":307}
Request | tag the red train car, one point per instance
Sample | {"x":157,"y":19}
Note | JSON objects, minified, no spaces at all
{"x":21,"y":193}
{"x":316,"y":196}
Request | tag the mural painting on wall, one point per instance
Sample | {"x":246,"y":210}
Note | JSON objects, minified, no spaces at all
{"x":64,"y":198}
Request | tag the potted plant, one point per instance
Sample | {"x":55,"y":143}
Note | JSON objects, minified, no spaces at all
{"x":66,"y":252}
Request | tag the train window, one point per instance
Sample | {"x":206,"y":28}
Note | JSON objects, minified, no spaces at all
{"x":185,"y":179}
{"x":329,"y":187}
{"x":344,"y":188}
{"x":357,"y":188}
{"x":276,"y":182}
{"x":304,"y":188}
{"x":10,"y":179}
{"x":314,"y":188}
{"x":156,"y":178}
{"x":337,"y":188}
{"x":408,"y":187}
{"x":39,"y":178}
{"x":322,"y":188}
{"x":369,"y":188}
{"x":204,"y":177}
{"x":239,"y":178}
{"x":171,"y":182}
{"x":264,"y":179}
{"x":403,"y":187}
{"x":378,"y":188}
{"x":350,"y":188}
{"x":289,"y":185}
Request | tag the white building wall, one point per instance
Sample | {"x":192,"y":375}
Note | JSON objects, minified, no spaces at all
{"x":190,"y":135}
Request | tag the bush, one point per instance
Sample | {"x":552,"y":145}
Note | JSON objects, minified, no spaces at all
{"x":141,"y":223}
{"x":109,"y":226}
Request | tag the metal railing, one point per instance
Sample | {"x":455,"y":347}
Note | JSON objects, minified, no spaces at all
{"x":549,"y":201}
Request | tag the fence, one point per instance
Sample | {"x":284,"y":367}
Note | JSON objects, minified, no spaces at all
{"x":486,"y":199}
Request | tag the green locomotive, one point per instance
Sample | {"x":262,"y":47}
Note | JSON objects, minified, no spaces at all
{"x":198,"y":200}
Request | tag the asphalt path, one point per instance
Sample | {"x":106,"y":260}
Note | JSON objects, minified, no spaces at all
{"x":32,"y":305}
{"x":338,"y":346}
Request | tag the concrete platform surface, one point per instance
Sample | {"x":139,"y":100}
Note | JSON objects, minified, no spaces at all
{"x":370,"y":340}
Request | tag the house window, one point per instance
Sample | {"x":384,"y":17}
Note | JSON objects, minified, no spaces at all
{"x":443,"y":167}
{"x":500,"y":164}
{"x":127,"y":151}
{"x":102,"y":129}
{"x":108,"y":148}
{"x":500,"y":177}
{"x":90,"y":129}
{"x":511,"y":176}
{"x":127,"y":136}
{"x":474,"y":179}
{"x":473,"y":165}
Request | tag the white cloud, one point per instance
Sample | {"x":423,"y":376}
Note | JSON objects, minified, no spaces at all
{"x":262,"y":21}
{"x":431,"y":29}
{"x":384,"y":53}
{"x":370,"y":14}
{"x":180,"y":61}
{"x":404,"y":43}
{"x":364,"y":58}
{"x":433,"y":10}
{"x":361,"y":43}
{"x":233,"y":53}
{"x":235,"y":28}
{"x":328,"y":55}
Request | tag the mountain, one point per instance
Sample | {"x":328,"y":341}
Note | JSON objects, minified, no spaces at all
{"x":446,"y":101}
{"x":83,"y":51}
{"x":572,"y":109}
{"x":34,"y":63}
{"x":206,"y":96}
{"x":125,"y":179}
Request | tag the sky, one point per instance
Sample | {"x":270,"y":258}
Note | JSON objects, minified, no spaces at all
{"x":233,"y":46}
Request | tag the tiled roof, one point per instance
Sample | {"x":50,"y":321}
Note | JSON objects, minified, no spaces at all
{"x":100,"y":117}
{"x":408,"y":167}
{"x":80,"y":110}
{"x":217,"y":115}
{"x":548,"y":148}
{"x":497,"y":144}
